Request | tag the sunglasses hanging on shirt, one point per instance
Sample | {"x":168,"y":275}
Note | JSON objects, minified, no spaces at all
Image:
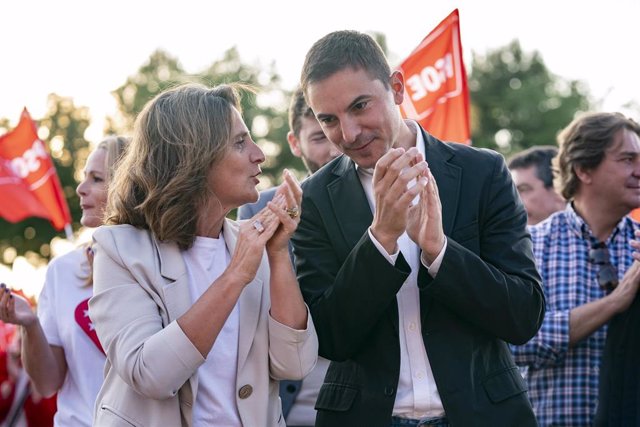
{"x":607,"y":274}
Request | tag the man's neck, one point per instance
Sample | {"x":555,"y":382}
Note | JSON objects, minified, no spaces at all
{"x":601,"y":219}
{"x":408,"y":134}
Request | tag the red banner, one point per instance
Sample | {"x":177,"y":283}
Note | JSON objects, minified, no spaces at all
{"x":29,"y":185}
{"x":437,"y":95}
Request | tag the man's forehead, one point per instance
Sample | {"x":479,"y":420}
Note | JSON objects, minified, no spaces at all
{"x":340,"y":90}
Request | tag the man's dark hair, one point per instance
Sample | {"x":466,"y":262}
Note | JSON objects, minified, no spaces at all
{"x":344,"y":49}
{"x":297,"y":110}
{"x":539,"y":156}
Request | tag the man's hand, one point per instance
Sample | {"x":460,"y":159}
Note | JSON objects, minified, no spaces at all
{"x":391,"y":176}
{"x":424,"y":225}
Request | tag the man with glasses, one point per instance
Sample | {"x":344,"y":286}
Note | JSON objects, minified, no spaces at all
{"x":586,"y":263}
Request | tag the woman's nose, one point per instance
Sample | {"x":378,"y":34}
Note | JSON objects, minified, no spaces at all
{"x":81,"y":189}
{"x":257,"y":155}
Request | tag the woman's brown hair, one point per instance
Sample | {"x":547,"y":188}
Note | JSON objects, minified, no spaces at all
{"x":178,"y":136}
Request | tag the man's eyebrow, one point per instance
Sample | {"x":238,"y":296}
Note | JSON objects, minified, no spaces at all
{"x":629,"y":154}
{"x":316,"y":134}
{"x":322,"y":116}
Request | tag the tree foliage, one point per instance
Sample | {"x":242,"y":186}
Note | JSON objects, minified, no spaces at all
{"x":264,"y":112}
{"x":517,"y":102}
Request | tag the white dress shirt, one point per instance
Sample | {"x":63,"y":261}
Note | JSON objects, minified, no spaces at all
{"x":417,"y":395}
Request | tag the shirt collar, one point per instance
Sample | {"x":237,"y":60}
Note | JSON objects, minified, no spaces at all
{"x":582,"y":229}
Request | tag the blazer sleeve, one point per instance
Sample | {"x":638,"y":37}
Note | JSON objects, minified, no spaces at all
{"x":346,"y":299}
{"x":153,"y":359}
{"x":551,"y":344}
{"x":292,"y":353}
{"x":498,"y":288}
{"x":247,"y":211}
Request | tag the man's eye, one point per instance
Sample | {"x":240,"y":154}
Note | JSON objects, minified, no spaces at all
{"x":360,"y":105}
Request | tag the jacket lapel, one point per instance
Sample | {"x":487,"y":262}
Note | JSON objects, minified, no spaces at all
{"x":349,"y":202}
{"x":447,"y":176}
{"x":448,"y":179}
{"x":176,"y":295}
{"x":177,"y":298}
{"x":250,"y":302}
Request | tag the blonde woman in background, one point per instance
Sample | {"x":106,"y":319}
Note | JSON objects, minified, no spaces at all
{"x":60,"y":351}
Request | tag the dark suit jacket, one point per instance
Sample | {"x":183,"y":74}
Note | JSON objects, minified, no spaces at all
{"x":619,"y":385}
{"x":487,"y":292}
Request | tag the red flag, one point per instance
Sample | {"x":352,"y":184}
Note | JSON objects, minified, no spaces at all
{"x":437,"y":95}
{"x":29,"y":185}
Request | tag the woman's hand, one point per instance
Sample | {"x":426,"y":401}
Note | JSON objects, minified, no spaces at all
{"x":285,"y":206}
{"x":15,"y":309}
{"x":252,"y":239}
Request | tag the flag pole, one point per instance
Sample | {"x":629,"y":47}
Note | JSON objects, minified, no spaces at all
{"x":69,"y":232}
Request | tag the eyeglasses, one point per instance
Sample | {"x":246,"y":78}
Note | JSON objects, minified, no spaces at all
{"x":607,"y":275}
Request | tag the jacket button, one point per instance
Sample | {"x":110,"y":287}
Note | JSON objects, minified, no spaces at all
{"x":389,"y":391}
{"x":245,"y":391}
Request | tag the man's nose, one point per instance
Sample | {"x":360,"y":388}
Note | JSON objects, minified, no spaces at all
{"x":350,"y":131}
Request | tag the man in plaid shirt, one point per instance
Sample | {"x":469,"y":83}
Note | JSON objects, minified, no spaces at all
{"x":586,"y":263}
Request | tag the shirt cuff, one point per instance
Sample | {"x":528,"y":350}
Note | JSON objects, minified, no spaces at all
{"x":435,"y":265}
{"x":390,"y":257}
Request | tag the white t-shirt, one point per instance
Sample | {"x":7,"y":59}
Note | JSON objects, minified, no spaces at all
{"x":215,"y":403}
{"x":64,"y":290}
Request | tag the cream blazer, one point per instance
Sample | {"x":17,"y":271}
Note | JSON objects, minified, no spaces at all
{"x":140,"y":289}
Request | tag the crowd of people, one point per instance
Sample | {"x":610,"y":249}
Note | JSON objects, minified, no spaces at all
{"x":406,"y":282}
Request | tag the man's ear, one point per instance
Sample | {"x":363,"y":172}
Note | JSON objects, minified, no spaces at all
{"x":583,"y":174}
{"x":294,"y":144}
{"x":396,"y":80}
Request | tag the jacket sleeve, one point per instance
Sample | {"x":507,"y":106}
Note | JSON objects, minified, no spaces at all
{"x":292,"y":353}
{"x":346,"y":299}
{"x":551,"y":344}
{"x":153,"y":359}
{"x":498,"y":287}
{"x":246,"y":211}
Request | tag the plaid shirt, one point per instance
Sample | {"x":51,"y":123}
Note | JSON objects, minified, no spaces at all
{"x":563,"y":381}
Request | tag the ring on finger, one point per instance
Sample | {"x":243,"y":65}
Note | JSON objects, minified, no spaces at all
{"x":257,"y":224}
{"x":293,"y":212}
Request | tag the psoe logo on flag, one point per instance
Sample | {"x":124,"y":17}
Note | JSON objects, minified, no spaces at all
{"x":29,"y":184}
{"x":437,"y":94}
{"x":30,"y":161}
